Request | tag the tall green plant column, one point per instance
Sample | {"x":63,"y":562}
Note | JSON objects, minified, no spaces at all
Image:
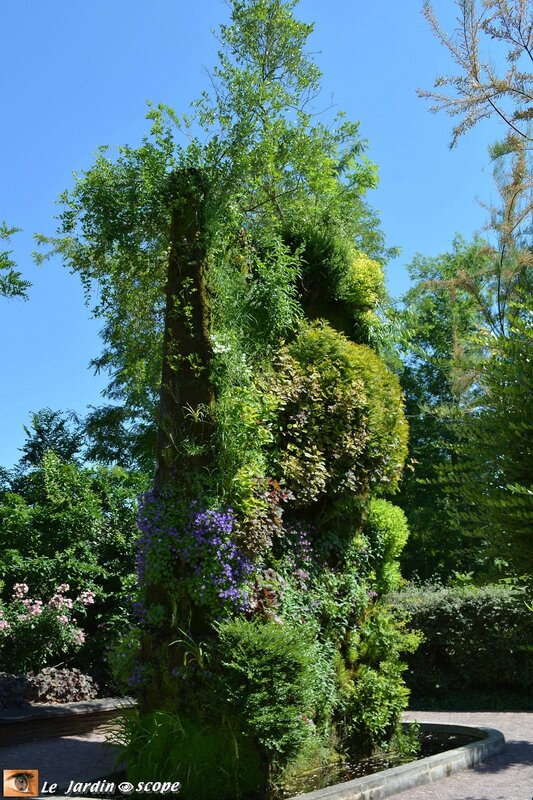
{"x":185,"y":417}
{"x":185,"y":421}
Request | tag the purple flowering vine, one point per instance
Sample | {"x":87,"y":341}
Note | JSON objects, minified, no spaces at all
{"x":203,"y":541}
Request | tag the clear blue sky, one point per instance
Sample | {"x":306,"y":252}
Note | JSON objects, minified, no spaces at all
{"x":78,"y":74}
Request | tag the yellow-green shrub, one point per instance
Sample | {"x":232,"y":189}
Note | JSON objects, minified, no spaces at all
{"x":387,"y":531}
{"x":340,"y":425}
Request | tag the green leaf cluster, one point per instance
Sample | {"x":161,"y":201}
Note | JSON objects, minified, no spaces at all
{"x":339,"y":427}
{"x":276,"y":682}
{"x":387,"y":532}
{"x":62,"y":523}
{"x":12,"y":283}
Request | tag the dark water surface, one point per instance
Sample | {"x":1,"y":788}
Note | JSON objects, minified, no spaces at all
{"x":430,"y":745}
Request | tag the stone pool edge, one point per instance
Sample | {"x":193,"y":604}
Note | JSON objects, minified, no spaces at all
{"x":417,"y":773}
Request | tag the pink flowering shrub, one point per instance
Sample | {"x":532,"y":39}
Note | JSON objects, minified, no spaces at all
{"x":36,"y":633}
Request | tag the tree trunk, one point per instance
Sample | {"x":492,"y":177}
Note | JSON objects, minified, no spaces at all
{"x":184,"y":450}
{"x":186,"y":396}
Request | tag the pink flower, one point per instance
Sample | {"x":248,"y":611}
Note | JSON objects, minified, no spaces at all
{"x":63,"y":619}
{"x":87,"y":597}
{"x":35,"y":607}
{"x":78,"y":636}
{"x":4,"y":625}
{"x":59,"y":602}
{"x":19,"y":590}
{"x":63,"y":588}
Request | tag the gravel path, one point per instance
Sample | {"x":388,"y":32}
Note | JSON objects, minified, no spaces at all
{"x":508,"y":776}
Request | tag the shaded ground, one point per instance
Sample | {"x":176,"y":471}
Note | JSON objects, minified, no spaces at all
{"x":86,"y":757}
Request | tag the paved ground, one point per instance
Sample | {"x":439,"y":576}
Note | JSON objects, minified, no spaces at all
{"x":86,"y":757}
{"x":508,"y":776}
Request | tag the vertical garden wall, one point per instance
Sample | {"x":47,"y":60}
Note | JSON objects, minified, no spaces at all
{"x":246,"y":269}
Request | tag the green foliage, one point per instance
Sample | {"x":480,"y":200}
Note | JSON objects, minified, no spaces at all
{"x":338,"y":282}
{"x":492,"y":473}
{"x":441,"y":362}
{"x":338,"y":600}
{"x":340,"y":426}
{"x":115,"y":235}
{"x":469,"y":316}
{"x":387,"y":532}
{"x":265,"y":158}
{"x":474,"y":638}
{"x":383,"y":636}
{"x":122,"y":658}
{"x":373,"y":692}
{"x":116,"y":438}
{"x":210,"y":762}
{"x":68,"y":524}
{"x":11,"y":281}
{"x":375,"y":705}
{"x":277,"y":683}
{"x":270,"y":153}
{"x":254,"y":296}
{"x":51,"y":430}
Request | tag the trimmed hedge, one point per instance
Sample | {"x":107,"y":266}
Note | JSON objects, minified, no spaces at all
{"x":474,"y":638}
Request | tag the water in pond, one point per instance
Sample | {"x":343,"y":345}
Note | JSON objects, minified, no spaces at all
{"x":430,"y":744}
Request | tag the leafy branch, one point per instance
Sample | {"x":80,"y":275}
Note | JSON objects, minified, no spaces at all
{"x":11,"y":281}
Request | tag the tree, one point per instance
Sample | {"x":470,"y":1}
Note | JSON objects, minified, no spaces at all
{"x":492,"y":478}
{"x":239,"y":279}
{"x":439,"y":376}
{"x":480,"y":91}
{"x":496,"y":284}
{"x":463,"y":308}
{"x":11,"y":281}
{"x":52,"y":430}
{"x":511,"y":221}
{"x":61,"y":523}
{"x":262,"y":166}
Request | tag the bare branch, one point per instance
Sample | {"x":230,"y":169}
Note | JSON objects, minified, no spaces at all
{"x":479,"y":90}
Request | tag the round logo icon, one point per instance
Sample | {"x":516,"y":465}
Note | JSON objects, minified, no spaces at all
{"x":126,"y":787}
